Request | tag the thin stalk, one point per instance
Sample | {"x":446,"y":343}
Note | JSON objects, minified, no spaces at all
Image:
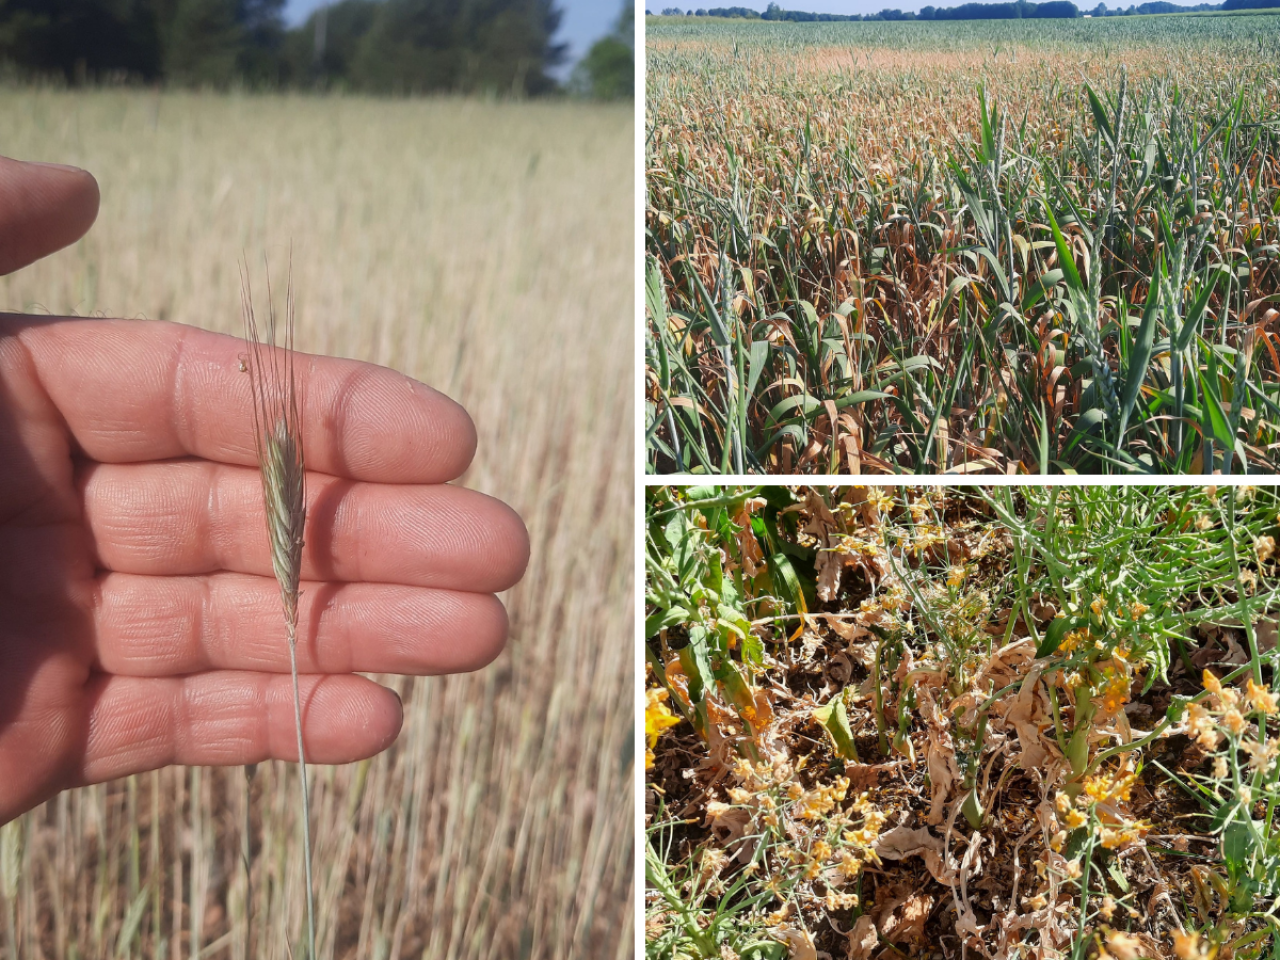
{"x":277,"y":421}
{"x":246,"y":855}
{"x":306,"y":793}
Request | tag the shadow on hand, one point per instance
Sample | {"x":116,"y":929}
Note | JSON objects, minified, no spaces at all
{"x":46,"y":588}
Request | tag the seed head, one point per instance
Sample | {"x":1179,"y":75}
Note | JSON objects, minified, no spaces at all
{"x":277,"y":430}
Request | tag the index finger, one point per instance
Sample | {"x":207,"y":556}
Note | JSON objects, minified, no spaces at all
{"x":141,"y":390}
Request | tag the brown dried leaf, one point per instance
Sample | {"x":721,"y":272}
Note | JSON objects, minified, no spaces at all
{"x":726,"y":822}
{"x":1025,"y":716}
{"x":940,"y":754}
{"x":862,"y":938}
{"x":866,"y":776}
{"x":748,"y":545}
{"x":800,"y":942}
{"x":902,"y":842}
{"x":907,"y":919}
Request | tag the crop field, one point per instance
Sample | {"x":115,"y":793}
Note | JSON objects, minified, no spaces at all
{"x":1006,"y":723}
{"x":1039,"y":246}
{"x":464,"y":243}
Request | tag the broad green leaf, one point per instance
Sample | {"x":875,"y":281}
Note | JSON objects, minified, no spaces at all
{"x":835,"y":720}
{"x":1054,"y":634}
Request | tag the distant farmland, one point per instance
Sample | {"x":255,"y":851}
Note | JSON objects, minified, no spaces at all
{"x":981,"y":246}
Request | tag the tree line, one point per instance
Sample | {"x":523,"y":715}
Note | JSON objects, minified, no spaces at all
{"x":1013,"y":10}
{"x":378,"y":46}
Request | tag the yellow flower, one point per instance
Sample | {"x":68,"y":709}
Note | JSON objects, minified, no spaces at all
{"x":1211,"y":682}
{"x":1075,"y":819}
{"x":1187,"y":946}
{"x":1137,"y":609}
{"x":1114,"y":699}
{"x":1233,"y":720}
{"x":1200,"y":724}
{"x":880,"y":499}
{"x":1102,"y":788}
{"x":1260,"y":698}
{"x":713,"y":861}
{"x":1099,"y":604}
{"x":1220,"y":768}
{"x":1124,"y":946}
{"x":841,"y":901}
{"x":1115,"y":837}
{"x":656,"y":719}
{"x":1072,"y":640}
{"x":850,"y":865}
{"x":1264,"y":546}
{"x":1259,"y":755}
{"x":956,"y":575}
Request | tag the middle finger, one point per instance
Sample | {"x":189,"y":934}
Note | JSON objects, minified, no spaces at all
{"x":196,"y":517}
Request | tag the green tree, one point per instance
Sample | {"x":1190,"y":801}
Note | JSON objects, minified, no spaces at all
{"x":220,"y":42}
{"x":80,"y":40}
{"x":607,"y":72}
{"x":462,"y":46}
{"x":323,"y":50}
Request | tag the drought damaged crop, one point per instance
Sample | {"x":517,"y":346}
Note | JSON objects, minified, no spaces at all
{"x":1006,"y":247}
{"x":1006,"y":722}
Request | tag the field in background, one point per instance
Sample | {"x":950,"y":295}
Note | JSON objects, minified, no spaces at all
{"x":486,"y":249}
{"x":992,"y":246}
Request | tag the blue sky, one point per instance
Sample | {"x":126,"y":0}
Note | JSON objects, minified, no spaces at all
{"x":584,"y":21}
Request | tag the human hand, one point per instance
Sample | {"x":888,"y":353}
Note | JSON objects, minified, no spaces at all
{"x":140,"y":624}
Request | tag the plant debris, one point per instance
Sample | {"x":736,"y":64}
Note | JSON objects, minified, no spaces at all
{"x":1002,"y":723}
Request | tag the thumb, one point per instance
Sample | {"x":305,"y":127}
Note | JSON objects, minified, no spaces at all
{"x":43,"y":208}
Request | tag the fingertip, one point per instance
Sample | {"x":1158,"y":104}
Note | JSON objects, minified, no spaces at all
{"x":43,"y":208}
{"x":457,"y":432}
{"x":393,"y":719}
{"x":511,"y":548}
{"x":346,"y":718}
{"x":487,"y":636}
{"x":84,"y":200}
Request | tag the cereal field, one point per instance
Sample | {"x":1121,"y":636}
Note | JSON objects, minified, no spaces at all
{"x":1002,"y":247}
{"x":462,"y":242}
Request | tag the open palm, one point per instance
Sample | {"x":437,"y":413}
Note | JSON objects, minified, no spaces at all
{"x":139,"y":621}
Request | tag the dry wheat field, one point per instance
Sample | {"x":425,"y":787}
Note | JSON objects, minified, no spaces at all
{"x":1040,"y":246}
{"x":485,"y":248}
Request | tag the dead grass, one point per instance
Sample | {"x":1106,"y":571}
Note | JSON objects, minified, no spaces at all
{"x":486,"y":249}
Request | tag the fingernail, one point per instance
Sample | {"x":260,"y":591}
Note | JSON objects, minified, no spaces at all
{"x":65,"y":167}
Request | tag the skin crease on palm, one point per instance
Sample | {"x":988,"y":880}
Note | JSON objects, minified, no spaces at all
{"x":140,"y":624}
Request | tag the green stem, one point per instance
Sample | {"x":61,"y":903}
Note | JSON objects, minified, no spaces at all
{"x":306,"y":795}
